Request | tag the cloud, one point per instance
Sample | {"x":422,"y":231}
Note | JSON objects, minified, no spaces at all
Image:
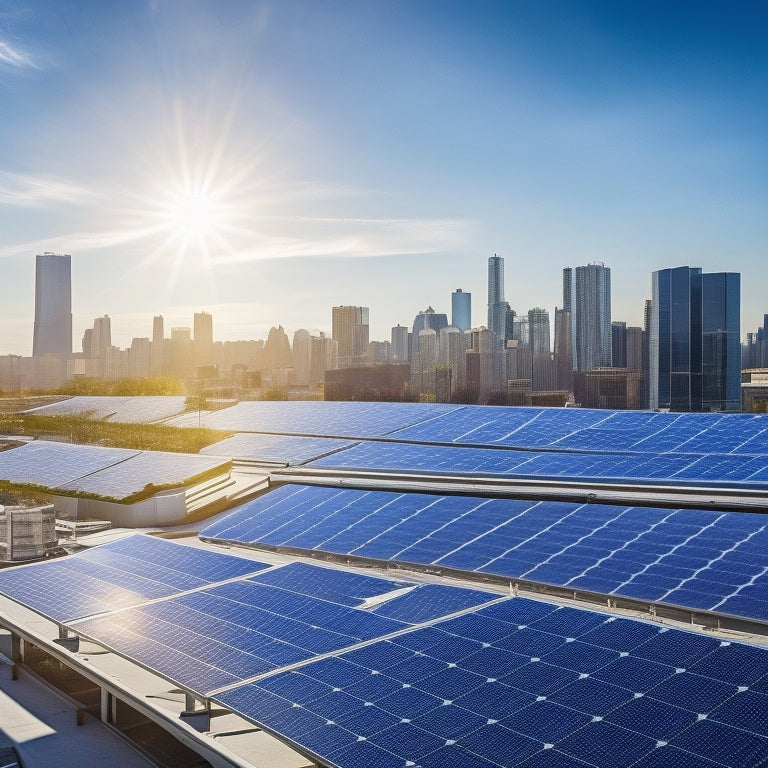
{"x":24,"y":190}
{"x":12,"y":57}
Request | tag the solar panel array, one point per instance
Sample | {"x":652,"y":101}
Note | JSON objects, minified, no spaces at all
{"x":285,"y":449}
{"x":361,"y":670}
{"x":316,"y":418}
{"x":114,"y":473}
{"x":123,"y":573}
{"x":697,"y":559}
{"x":570,"y":429}
{"x":231,"y":632}
{"x":155,"y":468}
{"x":126,"y":410}
{"x":51,"y":464}
{"x":670,"y":469}
{"x":524,"y":683}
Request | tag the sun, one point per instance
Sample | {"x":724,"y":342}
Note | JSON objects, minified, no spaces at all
{"x":195,"y":216}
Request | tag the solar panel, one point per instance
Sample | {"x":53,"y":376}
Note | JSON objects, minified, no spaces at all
{"x":319,"y":419}
{"x":231,"y":632}
{"x":144,"y":409}
{"x":522,"y":683}
{"x":285,"y":449}
{"x":50,"y":464}
{"x":696,"y":559}
{"x":123,"y":573}
{"x":669,"y":469}
{"x":148,"y":468}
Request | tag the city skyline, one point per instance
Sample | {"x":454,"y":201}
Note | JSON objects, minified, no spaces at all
{"x":267,"y":161}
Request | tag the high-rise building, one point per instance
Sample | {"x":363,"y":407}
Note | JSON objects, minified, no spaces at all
{"x":302,"y":356}
{"x":563,"y":353}
{"x":587,"y":295}
{"x":203,"y":339}
{"x":542,"y":367}
{"x":53,"y":305}
{"x":498,"y":308}
{"x":400,"y":345}
{"x":461,"y":309}
{"x":694,"y":344}
{"x":349,"y":329}
{"x":635,"y":348}
{"x":156,"y":352}
{"x":619,"y":344}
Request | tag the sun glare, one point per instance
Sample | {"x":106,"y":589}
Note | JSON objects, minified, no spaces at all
{"x":195,"y":216}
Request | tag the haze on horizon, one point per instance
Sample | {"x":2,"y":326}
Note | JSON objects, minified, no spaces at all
{"x":265,"y":161}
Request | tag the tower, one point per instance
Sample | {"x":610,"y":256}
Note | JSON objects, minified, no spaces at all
{"x":497,"y":306}
{"x":53,"y":305}
{"x":587,"y":295}
{"x":694,"y":344}
{"x":349,"y":328}
{"x":461,"y":309}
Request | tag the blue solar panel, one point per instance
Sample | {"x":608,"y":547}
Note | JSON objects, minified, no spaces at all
{"x":666,"y":469}
{"x":318,"y":419}
{"x":344,"y":587}
{"x":285,"y":449}
{"x":50,"y":464}
{"x":443,"y":696}
{"x":690,"y":558}
{"x":122,"y":573}
{"x":234,"y":631}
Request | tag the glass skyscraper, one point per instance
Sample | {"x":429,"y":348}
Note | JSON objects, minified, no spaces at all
{"x":498,"y":308}
{"x":694,"y":343}
{"x":461,"y":309}
{"x":587,"y":296}
{"x":52,"y":333}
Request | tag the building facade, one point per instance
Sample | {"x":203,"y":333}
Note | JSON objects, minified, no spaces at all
{"x":52,"y":333}
{"x":461,"y":309}
{"x":694,"y":342}
{"x":587,"y":296}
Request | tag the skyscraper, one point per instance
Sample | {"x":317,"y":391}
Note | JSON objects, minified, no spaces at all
{"x":461,"y":309}
{"x":53,"y":305}
{"x":203,"y":339}
{"x":498,"y":308}
{"x":694,"y":344}
{"x":349,"y":328}
{"x":587,"y":295}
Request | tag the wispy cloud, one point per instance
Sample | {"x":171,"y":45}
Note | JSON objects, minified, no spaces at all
{"x":26,"y":190}
{"x":13,"y":57}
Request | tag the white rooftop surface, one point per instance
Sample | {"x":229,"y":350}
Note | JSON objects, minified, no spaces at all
{"x":41,"y":724}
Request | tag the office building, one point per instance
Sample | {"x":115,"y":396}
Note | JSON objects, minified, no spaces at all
{"x":498,"y":308}
{"x":349,"y":329}
{"x":203,"y":339}
{"x":694,"y":345}
{"x":461,"y":309}
{"x":400,"y":344}
{"x":156,"y":353}
{"x":587,"y":296}
{"x":619,"y":344}
{"x":542,"y":367}
{"x":53,"y":305}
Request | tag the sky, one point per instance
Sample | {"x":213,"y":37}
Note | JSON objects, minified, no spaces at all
{"x":265,"y":161}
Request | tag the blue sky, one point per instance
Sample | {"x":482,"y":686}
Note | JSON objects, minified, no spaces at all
{"x":264,"y":161}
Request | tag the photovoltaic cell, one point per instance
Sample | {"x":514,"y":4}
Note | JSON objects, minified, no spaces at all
{"x":231,"y":632}
{"x":443,"y":695}
{"x":148,"y":468}
{"x":50,"y":464}
{"x":141,"y":410}
{"x":668,"y":469}
{"x":697,"y":559}
{"x":318,"y":419}
{"x":285,"y":449}
{"x":120,"y":574}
